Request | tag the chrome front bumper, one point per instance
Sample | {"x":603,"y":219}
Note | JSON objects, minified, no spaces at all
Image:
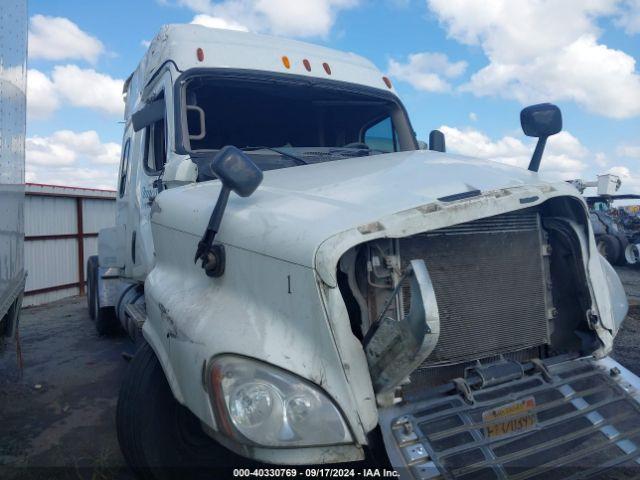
{"x":586,"y":422}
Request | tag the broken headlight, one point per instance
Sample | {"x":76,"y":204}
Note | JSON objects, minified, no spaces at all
{"x":264,"y":405}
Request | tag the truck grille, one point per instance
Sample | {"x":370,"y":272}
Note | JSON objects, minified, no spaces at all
{"x":490,"y":281}
{"x":583,"y":424}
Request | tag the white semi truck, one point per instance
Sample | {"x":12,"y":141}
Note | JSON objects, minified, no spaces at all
{"x":13,"y":74}
{"x":308,"y":287}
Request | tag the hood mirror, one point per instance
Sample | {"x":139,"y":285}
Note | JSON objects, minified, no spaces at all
{"x":238,"y":174}
{"x":541,"y":121}
{"x":436,"y":141}
{"x":236,"y":171}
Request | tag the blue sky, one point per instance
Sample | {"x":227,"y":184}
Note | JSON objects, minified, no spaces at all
{"x":464,"y":66}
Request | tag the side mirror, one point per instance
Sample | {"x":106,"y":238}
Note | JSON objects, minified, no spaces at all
{"x":150,"y":113}
{"x":236,"y":171}
{"x":239,"y":174}
{"x":436,"y":141}
{"x":541,"y":121}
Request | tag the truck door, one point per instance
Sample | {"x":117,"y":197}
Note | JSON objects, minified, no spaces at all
{"x":154,"y":145}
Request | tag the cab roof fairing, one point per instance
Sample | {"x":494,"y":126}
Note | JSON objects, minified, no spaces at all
{"x":178,"y":43}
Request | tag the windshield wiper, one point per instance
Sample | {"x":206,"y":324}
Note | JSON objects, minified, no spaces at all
{"x":298,"y":160}
{"x":354,"y":152}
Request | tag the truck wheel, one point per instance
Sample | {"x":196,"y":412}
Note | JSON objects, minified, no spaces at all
{"x":609,"y":248}
{"x":92,"y":269}
{"x":622,"y":243}
{"x":158,"y":437}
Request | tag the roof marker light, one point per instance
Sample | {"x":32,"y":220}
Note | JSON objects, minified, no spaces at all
{"x":200,"y":54}
{"x":327,"y":68}
{"x":306,"y":64}
{"x":387,"y":82}
{"x":286,"y":62}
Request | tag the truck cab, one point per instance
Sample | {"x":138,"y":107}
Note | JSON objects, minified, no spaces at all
{"x":308,"y":287}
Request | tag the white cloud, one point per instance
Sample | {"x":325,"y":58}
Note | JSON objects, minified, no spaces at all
{"x":58,"y":38}
{"x":630,"y":181}
{"x":601,"y":159}
{"x":547,"y":50}
{"x":519,"y":30}
{"x":629,"y":18}
{"x":65,"y":147}
{"x":72,"y":158}
{"x":565,"y":157}
{"x":473,"y":116}
{"x":75,"y":86}
{"x":217,"y":22}
{"x":630,"y":151}
{"x":44,"y":151}
{"x":42,"y":97}
{"x":427,"y":71}
{"x":88,"y":88}
{"x":309,"y":18}
{"x":99,"y":177}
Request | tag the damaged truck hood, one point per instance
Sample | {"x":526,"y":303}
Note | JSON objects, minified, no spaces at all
{"x":312,"y":214}
{"x":296,"y":209}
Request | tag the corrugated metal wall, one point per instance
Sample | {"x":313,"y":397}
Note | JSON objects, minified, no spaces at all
{"x":54,"y":237}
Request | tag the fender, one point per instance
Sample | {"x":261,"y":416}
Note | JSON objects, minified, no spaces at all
{"x":619,"y":302}
{"x":154,"y":339}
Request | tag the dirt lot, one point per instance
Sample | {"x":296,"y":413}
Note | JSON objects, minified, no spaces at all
{"x":57,"y":415}
{"x":626,"y":348}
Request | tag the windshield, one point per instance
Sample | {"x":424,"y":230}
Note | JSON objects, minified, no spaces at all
{"x":284,"y":123}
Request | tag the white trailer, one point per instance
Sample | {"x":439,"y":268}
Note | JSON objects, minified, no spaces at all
{"x":13,"y":73}
{"x":308,"y":287}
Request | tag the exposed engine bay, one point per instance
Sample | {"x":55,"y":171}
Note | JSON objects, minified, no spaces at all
{"x":507,"y":287}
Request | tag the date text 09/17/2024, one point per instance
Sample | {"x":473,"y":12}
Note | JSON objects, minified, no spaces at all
{"x":315,"y":473}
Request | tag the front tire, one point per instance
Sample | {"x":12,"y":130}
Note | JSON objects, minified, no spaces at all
{"x":159,"y":438}
{"x":621,"y":261}
{"x":609,"y":248}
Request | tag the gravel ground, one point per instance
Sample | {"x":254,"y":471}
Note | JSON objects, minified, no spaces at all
{"x":630,"y":277}
{"x":57,"y":415}
{"x":626,"y":348}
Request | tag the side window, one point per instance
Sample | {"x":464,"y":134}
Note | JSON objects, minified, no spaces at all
{"x":381,"y":136}
{"x":124,"y":168}
{"x":155,"y":147}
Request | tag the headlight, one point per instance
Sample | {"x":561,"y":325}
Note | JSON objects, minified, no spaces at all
{"x":267,"y":406}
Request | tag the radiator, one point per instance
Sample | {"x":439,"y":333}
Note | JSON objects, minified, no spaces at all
{"x":490,"y":278}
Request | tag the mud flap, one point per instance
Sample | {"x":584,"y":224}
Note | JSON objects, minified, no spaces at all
{"x":572,"y":420}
